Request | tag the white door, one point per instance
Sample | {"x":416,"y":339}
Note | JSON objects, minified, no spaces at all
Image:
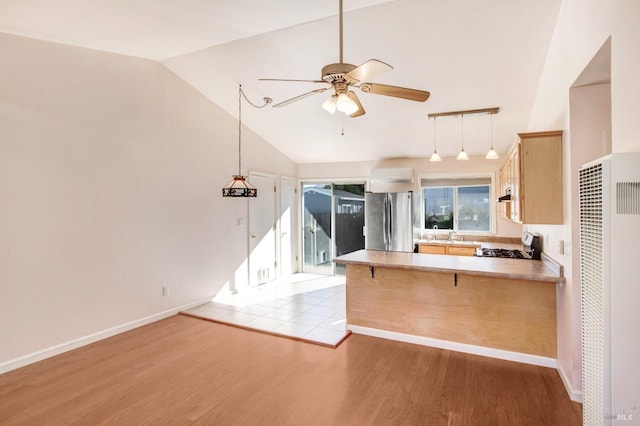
{"x":262,"y":230}
{"x":288,"y":226}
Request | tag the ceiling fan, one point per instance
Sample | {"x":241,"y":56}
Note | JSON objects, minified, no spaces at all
{"x":341,"y":77}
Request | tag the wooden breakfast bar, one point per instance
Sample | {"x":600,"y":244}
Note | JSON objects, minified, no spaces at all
{"x":503,"y":308}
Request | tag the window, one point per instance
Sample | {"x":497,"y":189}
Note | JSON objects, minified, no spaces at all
{"x":458,"y":204}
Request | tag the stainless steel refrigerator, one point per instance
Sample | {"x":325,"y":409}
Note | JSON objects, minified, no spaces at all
{"x":388,"y":221}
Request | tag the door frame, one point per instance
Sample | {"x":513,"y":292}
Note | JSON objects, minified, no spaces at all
{"x":331,"y":181}
{"x":295,"y":237}
{"x":275,"y":225}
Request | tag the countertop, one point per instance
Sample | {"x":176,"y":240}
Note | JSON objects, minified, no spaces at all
{"x":534,"y":270}
{"x":482,"y":244}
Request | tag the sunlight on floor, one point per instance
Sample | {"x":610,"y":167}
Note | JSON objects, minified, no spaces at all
{"x":305,"y":306}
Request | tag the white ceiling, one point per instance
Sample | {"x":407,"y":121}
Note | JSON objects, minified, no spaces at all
{"x":468,"y":53}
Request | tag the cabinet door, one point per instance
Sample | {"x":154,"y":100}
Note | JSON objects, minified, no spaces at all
{"x":461,"y":251}
{"x":504,"y":186}
{"x":516,"y":190}
{"x":431,"y":249}
{"x":541,"y":178}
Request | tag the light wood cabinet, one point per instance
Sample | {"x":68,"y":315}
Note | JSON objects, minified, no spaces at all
{"x":450,"y":249}
{"x":461,"y":250}
{"x":432,"y":249}
{"x":533,"y":175}
{"x":501,"y":313}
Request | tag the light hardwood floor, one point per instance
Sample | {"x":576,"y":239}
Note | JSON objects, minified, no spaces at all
{"x":183,"y":370}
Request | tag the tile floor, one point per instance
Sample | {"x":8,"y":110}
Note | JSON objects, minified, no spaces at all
{"x":303,"y":306}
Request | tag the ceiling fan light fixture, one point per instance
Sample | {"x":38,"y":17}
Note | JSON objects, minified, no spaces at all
{"x":346,"y":104}
{"x":330,"y":104}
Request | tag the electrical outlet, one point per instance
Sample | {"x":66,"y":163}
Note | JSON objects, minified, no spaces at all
{"x":165,"y":290}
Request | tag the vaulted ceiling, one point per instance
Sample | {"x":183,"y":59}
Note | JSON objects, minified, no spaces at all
{"x":468,"y":54}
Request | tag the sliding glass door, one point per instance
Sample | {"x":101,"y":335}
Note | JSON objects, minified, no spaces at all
{"x":333,"y":218}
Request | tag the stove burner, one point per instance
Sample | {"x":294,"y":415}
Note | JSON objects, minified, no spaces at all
{"x":512,"y":254}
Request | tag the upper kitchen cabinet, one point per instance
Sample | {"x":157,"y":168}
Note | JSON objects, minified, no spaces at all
{"x":531,"y":179}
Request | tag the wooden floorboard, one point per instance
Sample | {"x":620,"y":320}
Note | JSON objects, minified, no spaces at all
{"x":183,"y":370}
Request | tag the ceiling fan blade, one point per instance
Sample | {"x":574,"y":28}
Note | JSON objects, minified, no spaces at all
{"x":360,"y":110}
{"x":299,"y":97}
{"x":285,"y":79}
{"x":395,"y":91}
{"x":368,"y":70}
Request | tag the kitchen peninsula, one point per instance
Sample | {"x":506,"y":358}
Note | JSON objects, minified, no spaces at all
{"x":503,"y":308}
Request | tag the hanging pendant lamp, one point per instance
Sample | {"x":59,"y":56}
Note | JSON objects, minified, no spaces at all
{"x":240,"y":186}
{"x":435,"y":156}
{"x":462,"y":155}
{"x":492,"y":154}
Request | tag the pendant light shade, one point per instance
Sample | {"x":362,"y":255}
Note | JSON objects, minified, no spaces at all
{"x":346,"y":104}
{"x":462,"y":155}
{"x":492,"y":154}
{"x":331,"y":104}
{"x":240,"y":186}
{"x":435,"y":156}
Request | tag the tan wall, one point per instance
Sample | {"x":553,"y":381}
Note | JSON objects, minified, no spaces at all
{"x":111,"y":170}
{"x":583,"y":28}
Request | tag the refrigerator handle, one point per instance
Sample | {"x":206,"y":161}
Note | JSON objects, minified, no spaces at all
{"x":385,"y":226}
{"x":390,"y":222}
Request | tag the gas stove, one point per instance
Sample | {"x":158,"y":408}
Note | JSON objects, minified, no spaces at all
{"x":497,"y":252}
{"x":531,"y":249}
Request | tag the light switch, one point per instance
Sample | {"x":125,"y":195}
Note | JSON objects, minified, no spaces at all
{"x":561,"y":246}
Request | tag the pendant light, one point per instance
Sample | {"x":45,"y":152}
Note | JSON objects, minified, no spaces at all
{"x":462,"y":155}
{"x":434,"y":157}
{"x":239,"y":186}
{"x":492,"y":154}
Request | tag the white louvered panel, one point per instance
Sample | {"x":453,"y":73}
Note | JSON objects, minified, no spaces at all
{"x":628,"y":197}
{"x":609,"y":267}
{"x":592,"y":288}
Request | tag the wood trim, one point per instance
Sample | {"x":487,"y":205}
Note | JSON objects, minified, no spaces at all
{"x":540,"y":134}
{"x":494,"y":110}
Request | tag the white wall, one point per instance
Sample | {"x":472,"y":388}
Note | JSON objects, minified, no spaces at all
{"x":421,"y":166}
{"x":111,"y":170}
{"x":583,"y":27}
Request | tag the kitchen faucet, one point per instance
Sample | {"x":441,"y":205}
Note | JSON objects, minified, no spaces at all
{"x":451,"y":232}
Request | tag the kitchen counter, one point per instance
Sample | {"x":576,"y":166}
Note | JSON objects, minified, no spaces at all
{"x":533,"y":270}
{"x":502,"y":308}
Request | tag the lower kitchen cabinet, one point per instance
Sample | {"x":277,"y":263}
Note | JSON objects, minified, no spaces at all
{"x":450,"y":249}
{"x":502,"y":313}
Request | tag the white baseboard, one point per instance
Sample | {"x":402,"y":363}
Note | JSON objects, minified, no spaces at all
{"x":573,"y":394}
{"x":454,"y":346}
{"x":94,"y":337}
